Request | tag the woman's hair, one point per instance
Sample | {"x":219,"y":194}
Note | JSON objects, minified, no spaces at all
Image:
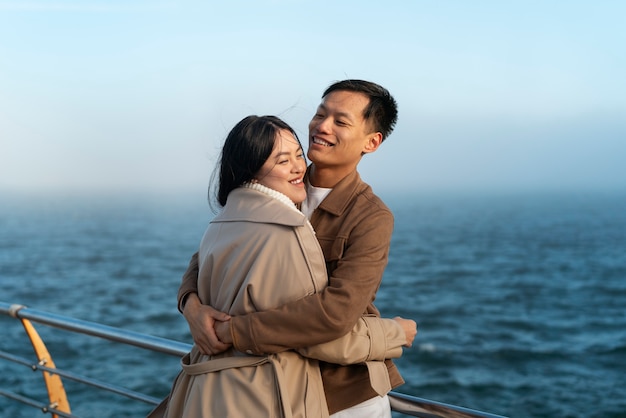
{"x":247,"y":147}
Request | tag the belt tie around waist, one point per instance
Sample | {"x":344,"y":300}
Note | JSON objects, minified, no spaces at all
{"x":224,"y":363}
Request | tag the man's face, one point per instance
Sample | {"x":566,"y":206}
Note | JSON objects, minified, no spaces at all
{"x":338,"y":133}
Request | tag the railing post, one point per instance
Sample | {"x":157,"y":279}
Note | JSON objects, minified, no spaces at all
{"x":54,"y":384}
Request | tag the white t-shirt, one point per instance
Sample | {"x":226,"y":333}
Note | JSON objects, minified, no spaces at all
{"x":314,"y":196}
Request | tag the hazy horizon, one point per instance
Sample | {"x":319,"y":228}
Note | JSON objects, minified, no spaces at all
{"x":137,"y":96}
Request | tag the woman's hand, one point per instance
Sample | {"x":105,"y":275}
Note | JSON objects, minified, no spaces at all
{"x":410,"y":329}
{"x":202,"y":320}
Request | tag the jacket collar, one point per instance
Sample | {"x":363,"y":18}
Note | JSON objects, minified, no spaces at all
{"x":250,"y":205}
{"x":342,"y":194}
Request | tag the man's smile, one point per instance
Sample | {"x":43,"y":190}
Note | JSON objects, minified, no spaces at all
{"x":321,"y":142}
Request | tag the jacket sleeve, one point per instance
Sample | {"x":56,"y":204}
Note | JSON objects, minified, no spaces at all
{"x":331,"y":313}
{"x":372,"y":338}
{"x":190,"y":281}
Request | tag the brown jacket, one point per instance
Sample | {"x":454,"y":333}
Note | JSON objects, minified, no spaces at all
{"x":353,"y":227}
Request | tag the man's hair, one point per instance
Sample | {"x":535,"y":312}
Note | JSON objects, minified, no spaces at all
{"x":382,"y":110}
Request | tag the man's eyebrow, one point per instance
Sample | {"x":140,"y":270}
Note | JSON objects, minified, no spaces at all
{"x":345,"y":115}
{"x":339,"y":114}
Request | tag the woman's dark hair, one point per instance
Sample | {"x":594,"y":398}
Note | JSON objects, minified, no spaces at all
{"x":246,"y":148}
{"x":382,"y":110}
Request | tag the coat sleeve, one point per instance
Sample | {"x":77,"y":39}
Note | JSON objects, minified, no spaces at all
{"x":331,"y":313}
{"x":372,"y":338}
{"x":190,"y":281}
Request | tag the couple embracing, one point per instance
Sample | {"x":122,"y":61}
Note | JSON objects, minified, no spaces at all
{"x":279,"y":297}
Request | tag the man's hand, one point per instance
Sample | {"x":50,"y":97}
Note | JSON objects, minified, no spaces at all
{"x":410,"y":329}
{"x":201,"y":320}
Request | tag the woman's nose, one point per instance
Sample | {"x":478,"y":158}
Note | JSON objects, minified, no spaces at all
{"x":299,"y":166}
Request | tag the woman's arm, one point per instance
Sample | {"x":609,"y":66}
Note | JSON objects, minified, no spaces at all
{"x":372,"y":338}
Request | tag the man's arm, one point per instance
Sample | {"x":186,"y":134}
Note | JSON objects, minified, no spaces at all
{"x":201,"y":318}
{"x":331,"y":313}
{"x":372,"y":338}
{"x":189,"y":283}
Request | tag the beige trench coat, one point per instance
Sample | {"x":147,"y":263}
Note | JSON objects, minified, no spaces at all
{"x":255,"y":255}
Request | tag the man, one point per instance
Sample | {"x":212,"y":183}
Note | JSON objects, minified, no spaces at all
{"x":354,"y":229}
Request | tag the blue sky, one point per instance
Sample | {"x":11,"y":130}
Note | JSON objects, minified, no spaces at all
{"x":138,"y":95}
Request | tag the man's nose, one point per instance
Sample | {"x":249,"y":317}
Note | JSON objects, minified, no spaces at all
{"x":323,"y":125}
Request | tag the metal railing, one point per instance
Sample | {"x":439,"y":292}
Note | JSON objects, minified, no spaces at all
{"x":401,"y":403}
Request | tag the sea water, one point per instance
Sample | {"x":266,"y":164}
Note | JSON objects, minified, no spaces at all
{"x":520,"y":298}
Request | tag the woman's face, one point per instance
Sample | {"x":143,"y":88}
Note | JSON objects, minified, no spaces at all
{"x":284,"y":169}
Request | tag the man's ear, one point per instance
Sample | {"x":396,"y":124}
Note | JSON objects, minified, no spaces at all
{"x":373,"y":142}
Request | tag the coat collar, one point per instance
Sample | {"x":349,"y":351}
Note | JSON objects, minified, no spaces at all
{"x":254,"y":206}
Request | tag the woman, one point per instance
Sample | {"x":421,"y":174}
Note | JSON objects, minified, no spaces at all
{"x":260,"y":252}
